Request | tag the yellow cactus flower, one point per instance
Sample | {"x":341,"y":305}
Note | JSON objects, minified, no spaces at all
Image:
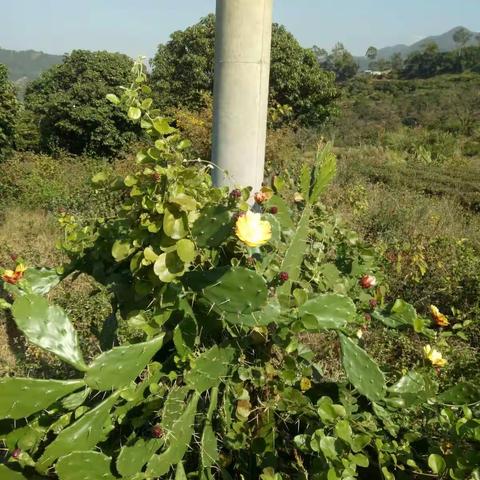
{"x":434,"y":356}
{"x":438,"y":317}
{"x":252,"y":230}
{"x":305,"y":384}
{"x":14,"y":277}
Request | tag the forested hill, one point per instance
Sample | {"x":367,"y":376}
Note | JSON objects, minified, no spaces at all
{"x":27,"y":65}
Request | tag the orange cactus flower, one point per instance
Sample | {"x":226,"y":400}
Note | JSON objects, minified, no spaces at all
{"x":438,"y":317}
{"x":13,"y":277}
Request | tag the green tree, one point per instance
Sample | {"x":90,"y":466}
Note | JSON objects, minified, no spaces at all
{"x":462,"y":36}
{"x":69,"y":102}
{"x":341,"y":62}
{"x":183,"y":71}
{"x":8,"y":112}
{"x":396,"y":62}
{"x":371,"y":53}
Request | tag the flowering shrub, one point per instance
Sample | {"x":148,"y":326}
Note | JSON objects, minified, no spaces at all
{"x":221,"y":386}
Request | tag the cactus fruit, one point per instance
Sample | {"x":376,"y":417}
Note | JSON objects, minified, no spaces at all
{"x":230,"y":289}
{"x":21,"y":397}
{"x":213,"y":226}
{"x":48,"y":327}
{"x":178,"y":440}
{"x":121,"y":365}
{"x":132,"y":458}
{"x":362,"y":371}
{"x":209,"y":368}
{"x":328,"y":311}
{"x":82,"y":435}
{"x":84,"y":466}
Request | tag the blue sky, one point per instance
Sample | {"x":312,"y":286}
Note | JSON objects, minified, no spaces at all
{"x":136,"y":27}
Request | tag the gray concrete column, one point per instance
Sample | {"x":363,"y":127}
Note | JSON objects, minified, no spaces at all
{"x":242,"y":69}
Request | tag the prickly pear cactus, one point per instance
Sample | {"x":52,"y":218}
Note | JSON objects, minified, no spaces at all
{"x":121,"y":365}
{"x":213,"y":226}
{"x":21,"y":397}
{"x":84,"y":466}
{"x":230,"y":289}
{"x":362,"y":371}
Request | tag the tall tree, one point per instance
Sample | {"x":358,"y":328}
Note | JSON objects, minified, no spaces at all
{"x":371,"y":53}
{"x":69,"y":101}
{"x":8,"y":112}
{"x":462,"y":36}
{"x":183,"y":70}
{"x":341,"y":62}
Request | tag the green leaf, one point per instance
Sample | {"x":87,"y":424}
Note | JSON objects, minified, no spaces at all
{"x":20,"y":397}
{"x":437,"y":464}
{"x":121,"y":365}
{"x":168,"y":267}
{"x":134,"y":113}
{"x":121,"y":250}
{"x":175,"y":224}
{"x":186,"y":250}
{"x":362,"y":371}
{"x":324,"y":172}
{"x":401,"y":314}
{"x":41,"y":280}
{"x":414,"y":388}
{"x":84,"y":466}
{"x":328,"y":311}
{"x":82,"y":435}
{"x":113,"y":98}
{"x":48,"y":327}
{"x":327,"y":445}
{"x":162,"y":126}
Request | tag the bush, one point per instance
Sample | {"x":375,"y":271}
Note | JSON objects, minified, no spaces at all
{"x":8,"y":112}
{"x":69,"y":101}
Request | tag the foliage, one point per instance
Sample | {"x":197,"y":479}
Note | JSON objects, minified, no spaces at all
{"x":8,"y":113}
{"x":221,"y":385}
{"x":340,"y":61}
{"x":183,"y":71}
{"x":69,"y":103}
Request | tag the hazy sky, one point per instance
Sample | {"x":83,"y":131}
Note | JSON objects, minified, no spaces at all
{"x":136,"y":27}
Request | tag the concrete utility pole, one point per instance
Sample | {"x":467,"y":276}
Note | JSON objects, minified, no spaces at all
{"x":242,"y":69}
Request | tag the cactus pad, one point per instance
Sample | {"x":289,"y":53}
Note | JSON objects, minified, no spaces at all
{"x":82,"y":435}
{"x":230,"y":289}
{"x":209,"y":368}
{"x":461,"y":394}
{"x":84,"y":466}
{"x":362,"y":371}
{"x":178,"y":442}
{"x":121,"y":365}
{"x":21,"y":397}
{"x":213,"y":226}
{"x":329,"y":311}
{"x":132,"y":459}
{"x":48,"y":327}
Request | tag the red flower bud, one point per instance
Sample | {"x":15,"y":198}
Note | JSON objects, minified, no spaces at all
{"x":283,"y":276}
{"x":368,"y":281}
{"x":157,"y":431}
{"x":260,"y":197}
{"x":273,"y":210}
{"x":16,"y":453}
{"x":235,"y":193}
{"x":373,"y":303}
